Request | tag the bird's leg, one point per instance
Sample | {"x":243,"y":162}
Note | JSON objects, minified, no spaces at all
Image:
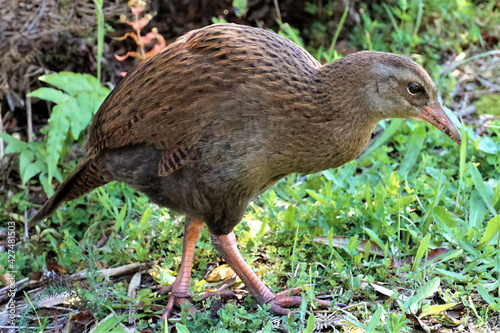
{"x":179,"y":290}
{"x":226,"y":245}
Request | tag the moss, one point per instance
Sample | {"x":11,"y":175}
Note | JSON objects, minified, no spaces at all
{"x":488,"y":104}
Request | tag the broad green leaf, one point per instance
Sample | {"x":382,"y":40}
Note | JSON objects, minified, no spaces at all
{"x":7,"y":138}
{"x":393,"y":183}
{"x":330,"y":237}
{"x":456,"y":276}
{"x":422,"y":248}
{"x":80,"y":113}
{"x":477,"y":211}
{"x":293,"y":193}
{"x":426,"y":291}
{"x":14,"y":146}
{"x":316,"y":196}
{"x":47,"y":188}
{"x":436,"y":309}
{"x":50,"y":94}
{"x":30,"y":171}
{"x":367,"y":250}
{"x":380,"y":196}
{"x":119,"y":329}
{"x":354,"y":322}
{"x":59,"y":127}
{"x":485,"y":192}
{"x":485,"y":295}
{"x":77,"y":100}
{"x":26,"y":157}
{"x":268,"y":328}
{"x":444,"y":217}
{"x":486,"y":145}
{"x":109,"y":323}
{"x":72,"y":83}
{"x":328,"y":174}
{"x":145,"y":219}
{"x":290,"y":217}
{"x":469,"y":247}
{"x":93,"y":83}
{"x":181,"y":328}
{"x":374,"y":237}
{"x":491,"y":231}
{"x":311,"y":321}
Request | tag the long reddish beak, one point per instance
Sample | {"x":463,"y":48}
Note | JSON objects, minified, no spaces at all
{"x":436,"y":116}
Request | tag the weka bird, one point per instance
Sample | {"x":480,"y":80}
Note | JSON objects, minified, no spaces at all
{"x":226,"y":111}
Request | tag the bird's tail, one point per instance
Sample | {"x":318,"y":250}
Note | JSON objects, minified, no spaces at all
{"x":86,"y":177}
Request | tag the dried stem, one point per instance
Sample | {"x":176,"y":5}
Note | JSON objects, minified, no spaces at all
{"x":29,"y":113}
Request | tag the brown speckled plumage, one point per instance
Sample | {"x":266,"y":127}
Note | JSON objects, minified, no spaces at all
{"x":226,"y":111}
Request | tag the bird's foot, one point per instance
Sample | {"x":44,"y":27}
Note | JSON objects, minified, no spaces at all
{"x":289,"y":299}
{"x":178,"y":298}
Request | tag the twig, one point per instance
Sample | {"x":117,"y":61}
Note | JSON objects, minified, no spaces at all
{"x":464,"y":61}
{"x":17,"y":284}
{"x":486,"y":83}
{"x":38,"y":16}
{"x":467,"y":111}
{"x":277,"y":8}
{"x":108,"y":272}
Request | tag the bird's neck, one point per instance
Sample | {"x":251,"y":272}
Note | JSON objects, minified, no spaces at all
{"x":340,"y":122}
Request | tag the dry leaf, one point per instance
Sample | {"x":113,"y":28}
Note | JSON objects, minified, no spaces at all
{"x":134,"y":284}
{"x":82,"y":317}
{"x":221,"y":273}
{"x":382,"y":290}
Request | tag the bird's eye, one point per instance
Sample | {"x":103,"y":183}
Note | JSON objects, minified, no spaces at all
{"x":414,"y":89}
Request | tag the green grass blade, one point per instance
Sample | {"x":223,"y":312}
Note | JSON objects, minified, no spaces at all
{"x":121,"y":217}
{"x":481,"y":187}
{"x":414,"y":148}
{"x":422,"y":248}
{"x":420,"y":11}
{"x":372,"y":325}
{"x":337,"y":32}
{"x":492,"y":229}
{"x":311,"y":321}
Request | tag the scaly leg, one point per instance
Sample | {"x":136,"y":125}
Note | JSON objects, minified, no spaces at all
{"x":179,"y":290}
{"x":226,"y":245}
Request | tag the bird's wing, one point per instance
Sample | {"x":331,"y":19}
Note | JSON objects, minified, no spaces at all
{"x":169,"y":98}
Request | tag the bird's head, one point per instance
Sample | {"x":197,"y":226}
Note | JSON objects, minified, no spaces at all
{"x":397,"y":87}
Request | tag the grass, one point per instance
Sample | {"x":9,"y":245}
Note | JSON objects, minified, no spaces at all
{"x":430,"y":206}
